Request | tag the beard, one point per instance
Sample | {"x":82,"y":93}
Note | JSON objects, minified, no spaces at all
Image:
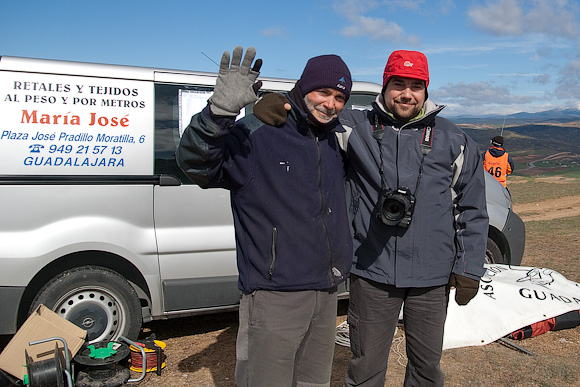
{"x":404,"y":113}
{"x":318,"y":111}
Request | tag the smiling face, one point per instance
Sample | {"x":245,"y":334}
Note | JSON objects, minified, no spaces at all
{"x":404,"y":97}
{"x":325,"y":104}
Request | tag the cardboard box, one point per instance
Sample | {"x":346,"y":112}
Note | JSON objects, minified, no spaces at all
{"x":43,"y":323}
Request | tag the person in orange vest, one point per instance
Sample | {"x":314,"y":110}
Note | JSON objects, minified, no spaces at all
{"x":497,"y":161}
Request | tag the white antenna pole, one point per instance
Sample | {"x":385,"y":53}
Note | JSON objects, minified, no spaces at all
{"x":501,"y":134}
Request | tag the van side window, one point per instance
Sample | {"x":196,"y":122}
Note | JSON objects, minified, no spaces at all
{"x":360,"y":101}
{"x":168,"y":123}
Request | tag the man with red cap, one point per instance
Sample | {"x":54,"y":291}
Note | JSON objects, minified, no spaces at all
{"x":416,"y":198}
{"x":419,"y":222}
{"x":497,"y":161}
{"x":292,"y":234}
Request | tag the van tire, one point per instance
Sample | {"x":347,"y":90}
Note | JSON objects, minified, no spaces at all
{"x":493,"y":253}
{"x":96,"y":299}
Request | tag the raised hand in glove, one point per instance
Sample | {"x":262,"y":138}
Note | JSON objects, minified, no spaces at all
{"x":465,"y":288}
{"x":272,"y":109}
{"x":236,"y":85}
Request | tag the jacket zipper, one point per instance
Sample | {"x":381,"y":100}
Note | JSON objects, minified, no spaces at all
{"x":322,"y":209}
{"x":273,"y":253}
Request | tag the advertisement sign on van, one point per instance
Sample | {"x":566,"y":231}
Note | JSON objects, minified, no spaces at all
{"x":66,"y":125}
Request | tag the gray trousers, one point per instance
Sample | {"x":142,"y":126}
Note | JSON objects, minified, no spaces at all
{"x":372,"y":317}
{"x":286,"y":338}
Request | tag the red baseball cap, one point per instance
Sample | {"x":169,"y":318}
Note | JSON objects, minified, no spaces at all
{"x":407,"y":64}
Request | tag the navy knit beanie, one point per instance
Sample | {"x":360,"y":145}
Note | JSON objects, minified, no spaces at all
{"x":325,"y":71}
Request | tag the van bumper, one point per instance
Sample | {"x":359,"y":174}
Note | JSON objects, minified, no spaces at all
{"x":515,"y":234}
{"x":10,"y":296}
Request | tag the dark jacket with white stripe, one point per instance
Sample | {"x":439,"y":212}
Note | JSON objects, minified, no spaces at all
{"x":448,"y":230}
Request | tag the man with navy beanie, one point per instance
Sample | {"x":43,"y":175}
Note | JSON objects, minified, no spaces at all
{"x":288,"y":201}
{"x":325,"y":71}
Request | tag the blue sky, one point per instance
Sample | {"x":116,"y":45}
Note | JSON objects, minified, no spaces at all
{"x":485,"y":56}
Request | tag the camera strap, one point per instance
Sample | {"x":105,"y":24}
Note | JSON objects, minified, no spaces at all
{"x":378,"y":132}
{"x":426,"y":145}
{"x":426,"y":141}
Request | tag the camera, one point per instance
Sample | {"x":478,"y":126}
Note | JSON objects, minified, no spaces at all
{"x":395,"y":207}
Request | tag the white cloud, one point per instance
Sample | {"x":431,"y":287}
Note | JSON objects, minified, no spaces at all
{"x":503,"y":17}
{"x":568,"y":83}
{"x":516,"y":17}
{"x":446,"y":6}
{"x":477,"y":94}
{"x":545,"y":52}
{"x":519,"y":45}
{"x":453,"y":110}
{"x":353,"y":7}
{"x":543,"y":79}
{"x":407,"y":4}
{"x":274,"y":31}
{"x":378,"y":29}
{"x":553,"y":17}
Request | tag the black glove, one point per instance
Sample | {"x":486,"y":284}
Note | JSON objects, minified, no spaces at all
{"x":236,"y":85}
{"x":465,"y":288}
{"x":271,"y":109}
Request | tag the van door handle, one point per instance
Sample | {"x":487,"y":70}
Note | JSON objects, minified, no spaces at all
{"x":168,"y":180}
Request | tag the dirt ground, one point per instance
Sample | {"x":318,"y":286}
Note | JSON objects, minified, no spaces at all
{"x":549,"y":209}
{"x":201,"y":350}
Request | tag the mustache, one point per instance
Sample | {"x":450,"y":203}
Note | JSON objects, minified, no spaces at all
{"x":408,"y":101}
{"x":328,"y":112}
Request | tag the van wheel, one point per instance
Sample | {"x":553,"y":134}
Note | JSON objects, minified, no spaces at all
{"x":96,"y":299}
{"x":492,"y":252}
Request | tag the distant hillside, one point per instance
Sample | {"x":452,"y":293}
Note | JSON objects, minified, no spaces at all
{"x":551,"y":131}
{"x":551,"y":116}
{"x":531,"y":137}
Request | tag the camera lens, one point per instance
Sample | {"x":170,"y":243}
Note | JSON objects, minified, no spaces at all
{"x":393,"y":210}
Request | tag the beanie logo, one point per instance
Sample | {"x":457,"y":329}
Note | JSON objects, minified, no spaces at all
{"x":339,"y":86}
{"x":408,"y":64}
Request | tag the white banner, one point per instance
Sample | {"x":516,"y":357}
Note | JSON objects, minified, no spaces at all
{"x":509,"y":298}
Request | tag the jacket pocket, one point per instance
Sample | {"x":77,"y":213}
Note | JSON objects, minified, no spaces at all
{"x":272,"y":253}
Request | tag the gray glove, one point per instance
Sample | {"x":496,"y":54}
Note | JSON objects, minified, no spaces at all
{"x":236,"y":85}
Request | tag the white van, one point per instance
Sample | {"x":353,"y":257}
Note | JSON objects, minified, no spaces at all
{"x":98,"y":223}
